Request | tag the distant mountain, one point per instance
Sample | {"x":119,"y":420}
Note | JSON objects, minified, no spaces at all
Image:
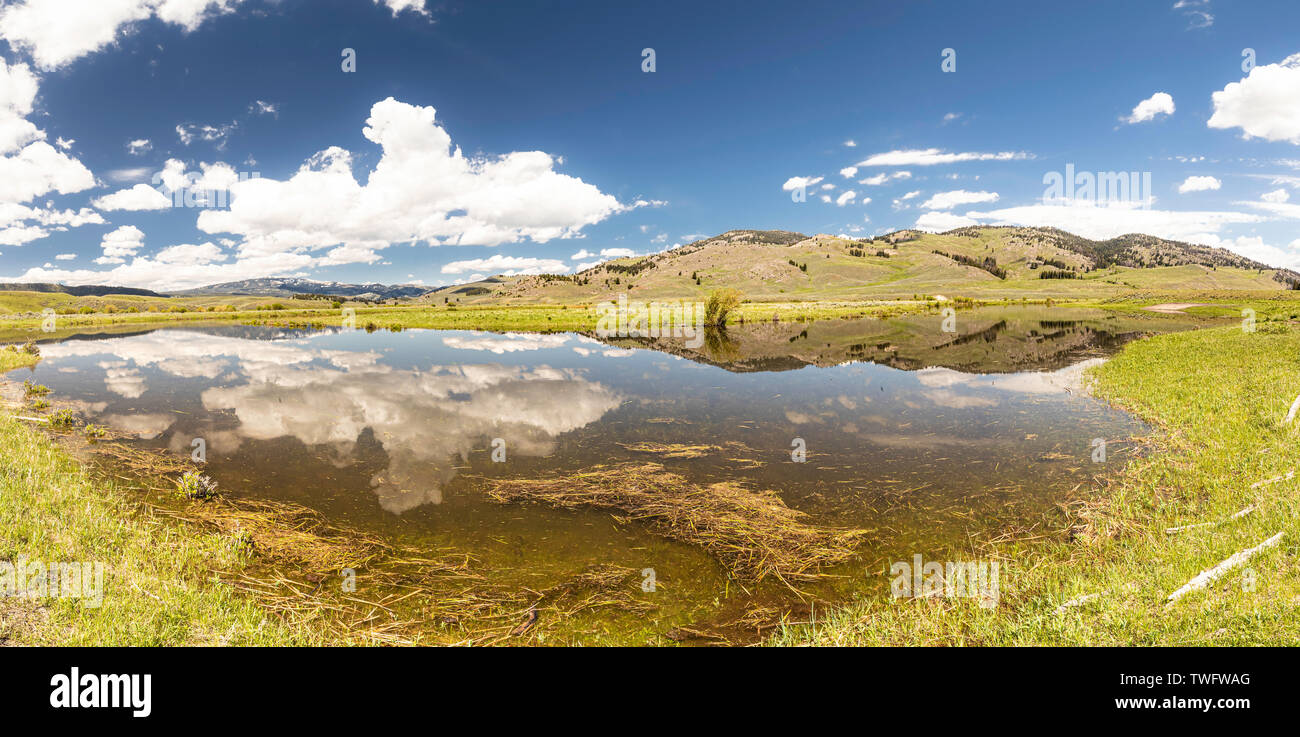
{"x":83,"y":291}
{"x":288,"y":287}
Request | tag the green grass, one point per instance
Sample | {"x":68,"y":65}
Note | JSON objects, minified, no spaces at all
{"x":1218,"y":398}
{"x":158,"y":588}
{"x":16,"y":358}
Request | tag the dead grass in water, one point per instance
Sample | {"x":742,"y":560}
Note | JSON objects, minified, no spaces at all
{"x":751,"y":532}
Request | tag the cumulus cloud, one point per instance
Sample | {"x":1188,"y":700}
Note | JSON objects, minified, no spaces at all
{"x":137,"y":198}
{"x":397,"y":6}
{"x":120,"y":244}
{"x":57,"y":32}
{"x":846,"y":198}
{"x":508,"y":265}
{"x":1199,"y":184}
{"x":1266,"y":104}
{"x":20,"y":224}
{"x":933,"y":156}
{"x":1161,"y":103}
{"x":949,"y":200}
{"x":30,"y":167}
{"x":422,"y":189}
{"x":794,"y":183}
{"x":139,"y":146}
{"x":1100,"y":222}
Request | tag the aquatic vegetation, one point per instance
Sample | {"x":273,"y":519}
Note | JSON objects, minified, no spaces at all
{"x":194,"y":485}
{"x":672,"y":450}
{"x":63,"y":419}
{"x":34,"y":390}
{"x":751,"y":532}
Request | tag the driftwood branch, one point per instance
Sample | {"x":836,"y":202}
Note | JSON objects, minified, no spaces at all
{"x":1204,"y":578}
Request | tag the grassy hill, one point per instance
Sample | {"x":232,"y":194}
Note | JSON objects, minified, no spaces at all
{"x":994,"y":262}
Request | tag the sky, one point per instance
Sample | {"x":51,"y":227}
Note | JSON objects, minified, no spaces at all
{"x":170,"y":144}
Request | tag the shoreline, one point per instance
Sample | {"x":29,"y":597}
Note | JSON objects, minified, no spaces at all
{"x":1116,"y":528}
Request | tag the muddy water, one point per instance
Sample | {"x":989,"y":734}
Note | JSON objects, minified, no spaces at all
{"x":931,"y":440}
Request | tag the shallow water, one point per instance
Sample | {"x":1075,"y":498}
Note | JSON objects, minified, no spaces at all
{"x":932,"y":441}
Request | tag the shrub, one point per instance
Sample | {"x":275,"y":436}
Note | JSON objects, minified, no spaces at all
{"x":720,"y":303}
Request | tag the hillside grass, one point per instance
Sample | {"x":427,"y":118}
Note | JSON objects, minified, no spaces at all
{"x":1217,"y":399}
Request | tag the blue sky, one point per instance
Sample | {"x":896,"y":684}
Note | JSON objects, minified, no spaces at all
{"x":487,"y":137}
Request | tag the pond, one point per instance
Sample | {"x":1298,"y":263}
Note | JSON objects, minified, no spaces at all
{"x":928,"y":442}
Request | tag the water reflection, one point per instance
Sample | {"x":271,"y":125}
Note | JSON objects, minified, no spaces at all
{"x":427,"y":420}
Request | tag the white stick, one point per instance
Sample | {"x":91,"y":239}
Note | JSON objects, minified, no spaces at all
{"x":1077,"y":601}
{"x":1285,"y":477}
{"x":1204,"y":578}
{"x":1291,"y":414}
{"x":1238,"y":515}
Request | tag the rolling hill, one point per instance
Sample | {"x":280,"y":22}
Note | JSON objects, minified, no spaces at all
{"x":990,"y":262}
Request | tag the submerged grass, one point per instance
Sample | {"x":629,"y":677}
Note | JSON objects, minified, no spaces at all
{"x":751,"y":532}
{"x":1219,"y":398}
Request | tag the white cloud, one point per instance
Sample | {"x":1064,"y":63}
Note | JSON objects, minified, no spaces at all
{"x":30,"y":167}
{"x":218,"y":134}
{"x":139,"y":146}
{"x":617,"y":252}
{"x":1277,"y":195}
{"x":398,"y":6}
{"x":508,"y":265}
{"x":66,"y":257}
{"x":262,"y":107}
{"x":191,"y":255}
{"x":57,"y":33}
{"x":1266,"y":104}
{"x":1161,"y":103}
{"x":933,"y":156}
{"x":422,"y":189}
{"x":137,"y":198}
{"x":846,"y":198}
{"x":1199,"y":184}
{"x":1102,"y":222}
{"x":584,"y":253}
{"x":151,"y":273}
{"x":794,"y":183}
{"x":937,"y":222}
{"x":882,"y":177}
{"x":849,"y":172}
{"x":1197,"y":13}
{"x":949,"y":200}
{"x":120,"y":244}
{"x":851,"y":143}
{"x":20,"y":224}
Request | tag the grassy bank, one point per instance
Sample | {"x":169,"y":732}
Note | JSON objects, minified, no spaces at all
{"x":158,"y":589}
{"x":1218,"y":399}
